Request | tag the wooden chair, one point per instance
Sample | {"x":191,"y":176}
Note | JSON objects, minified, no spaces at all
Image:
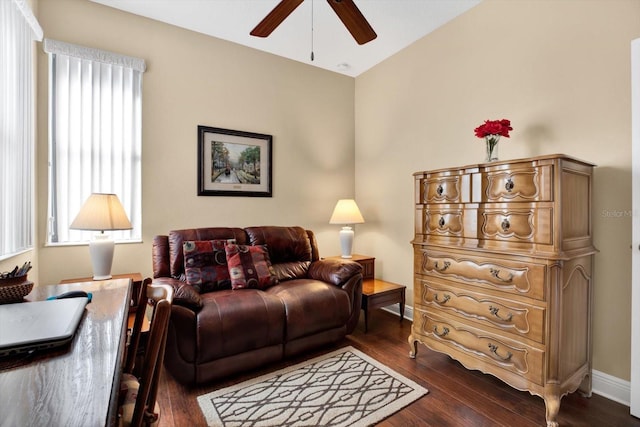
{"x":139,"y":384}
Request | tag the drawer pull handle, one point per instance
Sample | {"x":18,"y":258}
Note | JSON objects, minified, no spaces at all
{"x":445,"y":331}
{"x":505,"y":225}
{"x":446,"y":265}
{"x":495,"y":310}
{"x":441,"y":222}
{"x":439,"y":190}
{"x":509,"y":185}
{"x":444,"y":300}
{"x":496,"y":273}
{"x":494,"y":350}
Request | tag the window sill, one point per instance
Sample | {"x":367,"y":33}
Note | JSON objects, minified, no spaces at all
{"x":67,"y":244}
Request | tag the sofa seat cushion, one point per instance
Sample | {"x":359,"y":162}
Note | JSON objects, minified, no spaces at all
{"x":236,"y":321}
{"x":311,"y":306}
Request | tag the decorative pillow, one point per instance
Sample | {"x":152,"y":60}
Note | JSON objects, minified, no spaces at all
{"x":250,"y":267}
{"x":205,"y":264}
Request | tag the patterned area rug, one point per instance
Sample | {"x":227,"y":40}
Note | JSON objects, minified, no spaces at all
{"x":342,"y":388}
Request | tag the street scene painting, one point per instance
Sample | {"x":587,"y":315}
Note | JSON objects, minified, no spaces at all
{"x":233,"y":163}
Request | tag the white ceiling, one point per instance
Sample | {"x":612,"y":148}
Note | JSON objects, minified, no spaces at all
{"x":398,"y":23}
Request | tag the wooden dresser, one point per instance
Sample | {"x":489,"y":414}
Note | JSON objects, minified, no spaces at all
{"x":503,"y":271}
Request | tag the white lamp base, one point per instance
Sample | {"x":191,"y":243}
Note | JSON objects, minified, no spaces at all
{"x":101,"y":250}
{"x":346,"y":241}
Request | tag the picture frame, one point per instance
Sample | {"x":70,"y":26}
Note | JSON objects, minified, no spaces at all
{"x":234,"y":163}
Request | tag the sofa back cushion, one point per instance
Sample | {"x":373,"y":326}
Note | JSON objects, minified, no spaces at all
{"x":290,"y":249}
{"x":178,"y":237}
{"x":286,"y":244}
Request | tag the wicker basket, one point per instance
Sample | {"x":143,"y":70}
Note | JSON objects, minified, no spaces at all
{"x":14,"y":289}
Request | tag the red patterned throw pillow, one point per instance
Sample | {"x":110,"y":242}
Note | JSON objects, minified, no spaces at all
{"x":250,"y":267}
{"x":205,"y":264}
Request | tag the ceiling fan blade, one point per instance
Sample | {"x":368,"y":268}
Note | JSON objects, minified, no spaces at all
{"x":275,"y":18}
{"x":353,"y":19}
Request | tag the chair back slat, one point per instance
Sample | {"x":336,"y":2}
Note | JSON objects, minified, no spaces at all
{"x":136,"y":330}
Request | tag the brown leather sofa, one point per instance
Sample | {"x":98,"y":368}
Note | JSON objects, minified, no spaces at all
{"x":216,"y":334}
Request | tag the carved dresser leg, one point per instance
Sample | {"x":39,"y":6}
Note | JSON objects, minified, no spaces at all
{"x":585,"y":386}
{"x":552,"y":404}
{"x":413,"y":347}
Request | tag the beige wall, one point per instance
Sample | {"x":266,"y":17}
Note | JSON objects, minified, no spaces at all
{"x":196,"y":80}
{"x":560,"y":71}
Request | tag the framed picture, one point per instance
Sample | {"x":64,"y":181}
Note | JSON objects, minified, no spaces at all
{"x":233,"y":163}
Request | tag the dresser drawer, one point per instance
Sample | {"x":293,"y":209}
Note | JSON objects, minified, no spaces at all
{"x":502,"y":274}
{"x":444,"y":187}
{"x":448,"y":221}
{"x":479,"y":349}
{"x":525,"y":320}
{"x":516,"y":223}
{"x":521,"y":182}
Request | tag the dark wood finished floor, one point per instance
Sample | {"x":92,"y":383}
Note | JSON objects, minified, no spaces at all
{"x":457,"y":397}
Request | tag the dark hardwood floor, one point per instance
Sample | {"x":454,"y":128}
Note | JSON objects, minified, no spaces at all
{"x":457,"y":396}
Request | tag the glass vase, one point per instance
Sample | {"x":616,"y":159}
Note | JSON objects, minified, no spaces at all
{"x":492,"y":148}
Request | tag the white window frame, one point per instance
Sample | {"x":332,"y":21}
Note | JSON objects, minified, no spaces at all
{"x":18,"y":31}
{"x":95,"y":136}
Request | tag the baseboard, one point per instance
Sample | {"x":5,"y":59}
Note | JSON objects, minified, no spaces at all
{"x":603,"y":384}
{"x":611,"y":387}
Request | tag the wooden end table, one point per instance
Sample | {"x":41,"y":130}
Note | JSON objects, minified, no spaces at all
{"x":377,"y":293}
{"x":367,"y":263}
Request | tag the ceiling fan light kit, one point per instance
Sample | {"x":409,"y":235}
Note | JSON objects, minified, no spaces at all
{"x":346,"y":10}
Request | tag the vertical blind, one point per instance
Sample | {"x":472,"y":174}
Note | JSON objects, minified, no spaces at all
{"x":95,"y":135}
{"x":18,"y":30}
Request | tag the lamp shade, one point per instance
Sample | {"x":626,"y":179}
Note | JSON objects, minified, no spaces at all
{"x":346,"y":212}
{"x":101,"y":211}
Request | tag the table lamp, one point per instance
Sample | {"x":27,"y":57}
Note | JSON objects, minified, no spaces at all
{"x":346,"y":212}
{"x":101,"y":212}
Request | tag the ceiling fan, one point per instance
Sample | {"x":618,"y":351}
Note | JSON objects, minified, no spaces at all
{"x":346,"y":10}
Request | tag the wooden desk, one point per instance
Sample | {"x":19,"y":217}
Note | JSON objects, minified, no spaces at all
{"x":78,"y":384}
{"x":136,"y":278}
{"x":377,"y":293}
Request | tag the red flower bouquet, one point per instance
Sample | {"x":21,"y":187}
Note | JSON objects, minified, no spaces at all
{"x":493,"y":127}
{"x":491,"y":131}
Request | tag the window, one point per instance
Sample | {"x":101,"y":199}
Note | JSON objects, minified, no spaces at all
{"x":18,"y":30}
{"x":95,"y":135}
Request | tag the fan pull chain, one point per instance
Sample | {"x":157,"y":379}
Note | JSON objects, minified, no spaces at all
{"x":311,"y":30}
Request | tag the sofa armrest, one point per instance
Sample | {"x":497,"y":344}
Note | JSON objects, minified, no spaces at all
{"x":183,"y":294}
{"x":344,"y":273}
{"x":334,"y":271}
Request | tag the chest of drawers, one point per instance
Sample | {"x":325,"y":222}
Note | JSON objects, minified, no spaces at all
{"x":503,"y":272}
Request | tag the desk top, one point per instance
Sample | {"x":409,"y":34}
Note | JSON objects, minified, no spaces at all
{"x":77,"y":384}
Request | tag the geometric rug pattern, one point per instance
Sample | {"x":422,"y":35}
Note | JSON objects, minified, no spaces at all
{"x":342,"y":388}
